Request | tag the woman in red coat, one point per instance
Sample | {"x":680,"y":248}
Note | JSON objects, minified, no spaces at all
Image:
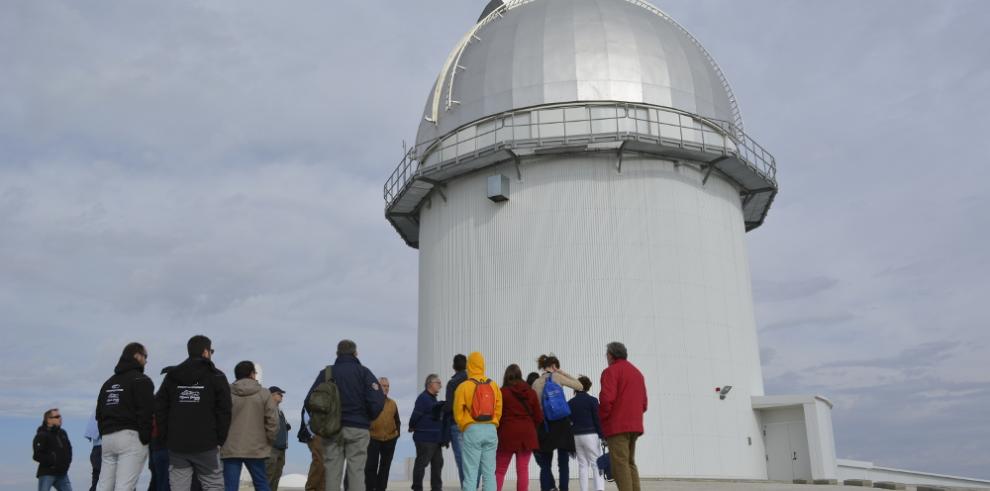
{"x":517,"y":429}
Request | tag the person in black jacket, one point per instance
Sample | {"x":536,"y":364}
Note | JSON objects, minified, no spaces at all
{"x":124,"y":410}
{"x":193,"y":411}
{"x":53,"y":453}
{"x":361,"y":401}
{"x":460,"y":375}
{"x":158,"y":460}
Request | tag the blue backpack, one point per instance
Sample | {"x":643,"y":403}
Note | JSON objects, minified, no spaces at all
{"x":555,"y":405}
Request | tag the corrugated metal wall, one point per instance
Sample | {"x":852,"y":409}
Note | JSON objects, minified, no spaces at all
{"x":582,"y":255}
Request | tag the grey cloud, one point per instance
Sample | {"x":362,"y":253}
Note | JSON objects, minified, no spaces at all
{"x":777,"y":291}
{"x":923,"y":355}
{"x":823,"y":321}
{"x":767,"y":355}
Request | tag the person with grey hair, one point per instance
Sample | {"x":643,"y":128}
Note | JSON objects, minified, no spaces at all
{"x":622,"y":402}
{"x":361,"y":401}
{"x":385,"y":430}
{"x":426,"y":424}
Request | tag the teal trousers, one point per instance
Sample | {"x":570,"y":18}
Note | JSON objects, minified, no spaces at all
{"x":478,"y":455}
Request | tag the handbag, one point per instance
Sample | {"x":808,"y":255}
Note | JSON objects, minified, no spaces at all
{"x":605,"y":464}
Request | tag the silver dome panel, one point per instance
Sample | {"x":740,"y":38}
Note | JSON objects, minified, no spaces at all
{"x":536,"y":52}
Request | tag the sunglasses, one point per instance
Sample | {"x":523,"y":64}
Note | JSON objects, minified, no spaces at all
{"x":57,"y":416}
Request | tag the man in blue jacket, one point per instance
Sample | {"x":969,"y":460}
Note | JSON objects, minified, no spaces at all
{"x":426,"y":423}
{"x":361,"y":400}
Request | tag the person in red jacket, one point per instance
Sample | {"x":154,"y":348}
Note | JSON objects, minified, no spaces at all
{"x":622,"y":402}
{"x":521,"y":414}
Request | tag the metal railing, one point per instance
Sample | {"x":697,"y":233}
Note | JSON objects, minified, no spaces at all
{"x":401,"y":176}
{"x":580,"y":123}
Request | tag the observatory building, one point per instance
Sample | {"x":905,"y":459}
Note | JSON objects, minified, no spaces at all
{"x":580,"y":176}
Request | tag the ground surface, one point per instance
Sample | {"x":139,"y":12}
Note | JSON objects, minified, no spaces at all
{"x":669,"y":485}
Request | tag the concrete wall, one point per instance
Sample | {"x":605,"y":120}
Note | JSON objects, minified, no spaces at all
{"x":857,"y":469}
{"x":821,"y":439}
{"x":582,"y":255}
{"x":817,"y":443}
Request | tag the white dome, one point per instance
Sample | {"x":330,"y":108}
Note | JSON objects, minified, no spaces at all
{"x":534,"y":52}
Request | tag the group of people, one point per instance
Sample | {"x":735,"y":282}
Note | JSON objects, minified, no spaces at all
{"x":196,"y":432}
{"x":202,"y":430}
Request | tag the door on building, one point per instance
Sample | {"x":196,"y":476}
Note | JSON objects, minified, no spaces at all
{"x":787,"y":451}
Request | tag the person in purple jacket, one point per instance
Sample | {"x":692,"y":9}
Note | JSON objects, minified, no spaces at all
{"x":587,"y":435}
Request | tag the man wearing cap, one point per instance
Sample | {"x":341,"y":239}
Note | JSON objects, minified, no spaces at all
{"x":276,"y":461}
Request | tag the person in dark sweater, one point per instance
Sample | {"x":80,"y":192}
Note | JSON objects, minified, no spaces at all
{"x":460,"y":375}
{"x":587,"y":435}
{"x":532,"y":378}
{"x":124,"y":410}
{"x":361,"y":401}
{"x":53,"y":453}
{"x":158,"y":460}
{"x":193,"y":411}
{"x":426,"y":425}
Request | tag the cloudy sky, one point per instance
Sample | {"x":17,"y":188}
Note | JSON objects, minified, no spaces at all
{"x":173,"y":168}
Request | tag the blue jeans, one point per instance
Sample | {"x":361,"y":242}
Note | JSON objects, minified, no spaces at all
{"x":232,"y":474}
{"x":158,"y":463}
{"x":456,"y":443}
{"x":96,"y":460}
{"x":480,"y":444}
{"x":456,"y":440}
{"x":61,"y":483}
{"x":545,"y":461}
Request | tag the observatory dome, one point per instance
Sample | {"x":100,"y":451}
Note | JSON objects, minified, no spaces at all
{"x":536,"y":52}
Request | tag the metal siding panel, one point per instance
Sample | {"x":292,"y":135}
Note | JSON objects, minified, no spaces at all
{"x":580,"y":255}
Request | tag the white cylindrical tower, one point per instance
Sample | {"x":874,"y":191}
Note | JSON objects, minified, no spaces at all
{"x":581,"y":176}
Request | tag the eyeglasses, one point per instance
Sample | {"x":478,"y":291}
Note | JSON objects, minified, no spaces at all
{"x":57,"y":416}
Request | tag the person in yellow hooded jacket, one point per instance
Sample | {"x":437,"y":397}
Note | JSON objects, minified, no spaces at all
{"x":480,"y":433}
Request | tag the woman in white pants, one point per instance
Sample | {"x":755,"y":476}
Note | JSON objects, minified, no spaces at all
{"x":587,"y":435}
